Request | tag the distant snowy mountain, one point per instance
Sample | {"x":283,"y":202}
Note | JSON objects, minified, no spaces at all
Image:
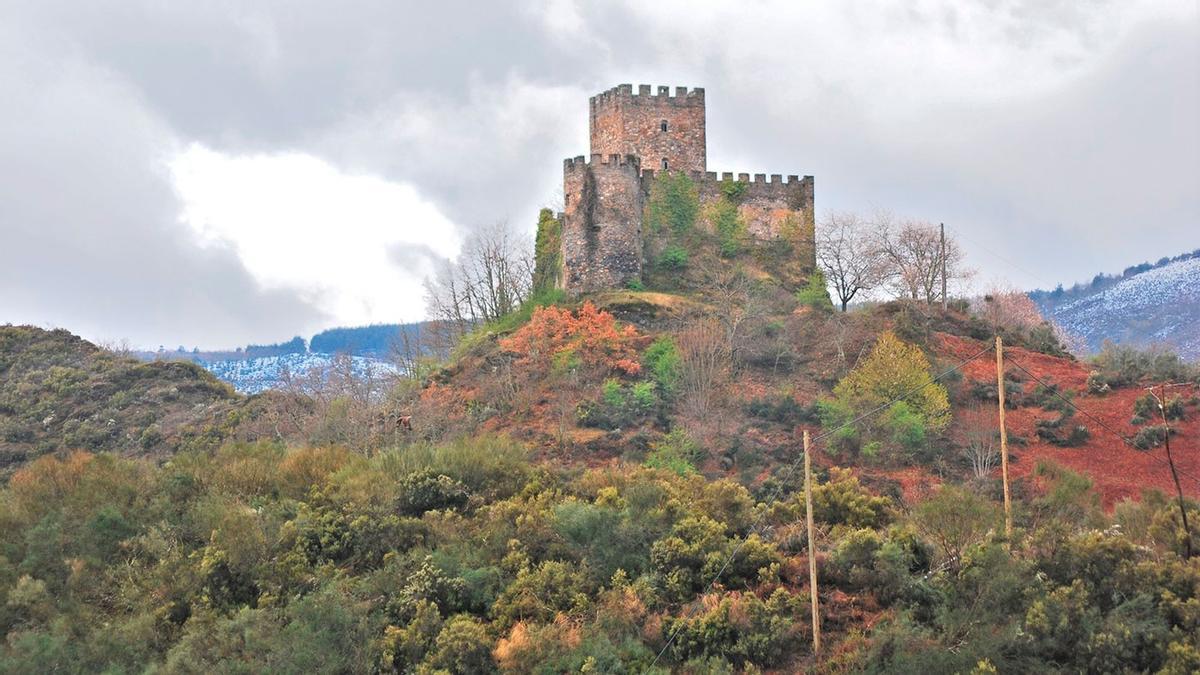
{"x":1160,"y":305}
{"x":255,"y":375}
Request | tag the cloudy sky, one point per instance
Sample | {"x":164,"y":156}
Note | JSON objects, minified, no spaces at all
{"x":219,"y":172}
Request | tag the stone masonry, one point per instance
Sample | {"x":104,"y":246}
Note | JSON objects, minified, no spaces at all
{"x":633,"y":136}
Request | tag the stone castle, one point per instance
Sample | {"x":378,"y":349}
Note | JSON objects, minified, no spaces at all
{"x":633,"y":135}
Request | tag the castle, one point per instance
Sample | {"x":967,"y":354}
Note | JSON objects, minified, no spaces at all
{"x":634,"y":135}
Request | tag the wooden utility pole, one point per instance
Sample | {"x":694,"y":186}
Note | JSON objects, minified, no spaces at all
{"x":812,"y":549}
{"x":1008,"y":526}
{"x":943,"y":249}
{"x":1187,"y":531}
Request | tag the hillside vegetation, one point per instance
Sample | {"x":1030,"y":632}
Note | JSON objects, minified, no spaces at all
{"x":610,"y":484}
{"x":59,"y":392}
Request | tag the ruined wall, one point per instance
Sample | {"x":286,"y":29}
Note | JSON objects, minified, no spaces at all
{"x":602,"y":222}
{"x":771,"y":207}
{"x":625,"y":123}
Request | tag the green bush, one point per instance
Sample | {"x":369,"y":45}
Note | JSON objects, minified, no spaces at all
{"x":674,"y":258}
{"x":734,"y":190}
{"x":428,"y":491}
{"x":815,"y":293}
{"x":1151,"y":436}
{"x":676,"y":452}
{"x":729,"y":227}
{"x":547,"y":252}
{"x":782,"y":409}
{"x":1122,"y":365}
{"x":740,"y":631}
{"x":618,"y":405}
{"x":906,"y":427}
{"x":662,"y":360}
{"x":674,"y":203}
{"x":1145,"y":409}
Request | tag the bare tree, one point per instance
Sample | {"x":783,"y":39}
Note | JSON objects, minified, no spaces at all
{"x":851,"y":254}
{"x":915,"y":258}
{"x":1005,"y":306}
{"x":738,"y":305}
{"x":491,"y":277}
{"x":704,"y":364}
{"x":981,"y":451}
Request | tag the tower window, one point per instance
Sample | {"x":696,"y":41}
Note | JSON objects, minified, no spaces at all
{"x":664,"y":163}
{"x":663,"y":125}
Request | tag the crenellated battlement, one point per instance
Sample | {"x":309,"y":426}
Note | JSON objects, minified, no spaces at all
{"x":579,"y":162}
{"x":759,"y":179}
{"x":650,"y":94}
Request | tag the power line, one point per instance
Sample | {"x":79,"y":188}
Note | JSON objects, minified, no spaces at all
{"x":791,"y":469}
{"x":1054,"y":391}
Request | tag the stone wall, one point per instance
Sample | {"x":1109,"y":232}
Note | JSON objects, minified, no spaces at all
{"x":602,"y":222}
{"x":769,"y":205}
{"x":625,"y":123}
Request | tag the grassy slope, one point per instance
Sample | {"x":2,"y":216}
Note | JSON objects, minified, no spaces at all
{"x":59,"y":392}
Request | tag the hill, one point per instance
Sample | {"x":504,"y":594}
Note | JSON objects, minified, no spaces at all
{"x":610,"y":486}
{"x":59,"y":392}
{"x":1146,"y":305}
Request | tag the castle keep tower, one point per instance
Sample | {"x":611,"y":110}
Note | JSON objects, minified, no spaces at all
{"x":633,"y":136}
{"x":665,"y":131}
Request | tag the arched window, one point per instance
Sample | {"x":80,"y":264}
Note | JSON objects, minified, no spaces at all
{"x":664,"y":163}
{"x":663,"y":125}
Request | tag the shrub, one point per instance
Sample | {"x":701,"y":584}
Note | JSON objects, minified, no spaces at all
{"x":729,"y":227}
{"x":539,"y":593}
{"x":906,"y":426}
{"x":734,"y":190}
{"x":589,"y":337}
{"x":618,"y":405}
{"x":674,"y":258}
{"x":1145,"y":409}
{"x":674,"y":203}
{"x":645,"y":396}
{"x":428,"y":491}
{"x":815,"y":293}
{"x":1123,"y":365}
{"x":676,"y":452}
{"x":547,"y":252}
{"x":463,"y":646}
{"x":661,"y":359}
{"x":843,"y":501}
{"x":697,"y":548}
{"x":896,"y":370}
{"x":836,"y":417}
{"x":1151,"y":436}
{"x":782,"y":409}
{"x":741,"y":631}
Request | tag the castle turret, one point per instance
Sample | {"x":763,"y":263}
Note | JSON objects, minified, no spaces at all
{"x":602,"y":222}
{"x":665,"y":131}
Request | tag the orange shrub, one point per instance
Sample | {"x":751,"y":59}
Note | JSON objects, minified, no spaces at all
{"x":589,"y":338}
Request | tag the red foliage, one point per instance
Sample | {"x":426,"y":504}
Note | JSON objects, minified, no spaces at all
{"x":1117,"y":470}
{"x":590,"y":338}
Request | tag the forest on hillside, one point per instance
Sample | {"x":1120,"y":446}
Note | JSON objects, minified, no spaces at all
{"x":616,"y":483}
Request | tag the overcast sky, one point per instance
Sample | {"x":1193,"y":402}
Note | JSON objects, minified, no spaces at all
{"x":213,"y":173}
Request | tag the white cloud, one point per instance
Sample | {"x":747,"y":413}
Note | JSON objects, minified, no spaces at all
{"x":298,"y":223}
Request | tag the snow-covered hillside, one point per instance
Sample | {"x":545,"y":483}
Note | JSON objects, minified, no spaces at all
{"x":255,"y":375}
{"x":1160,"y":305}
